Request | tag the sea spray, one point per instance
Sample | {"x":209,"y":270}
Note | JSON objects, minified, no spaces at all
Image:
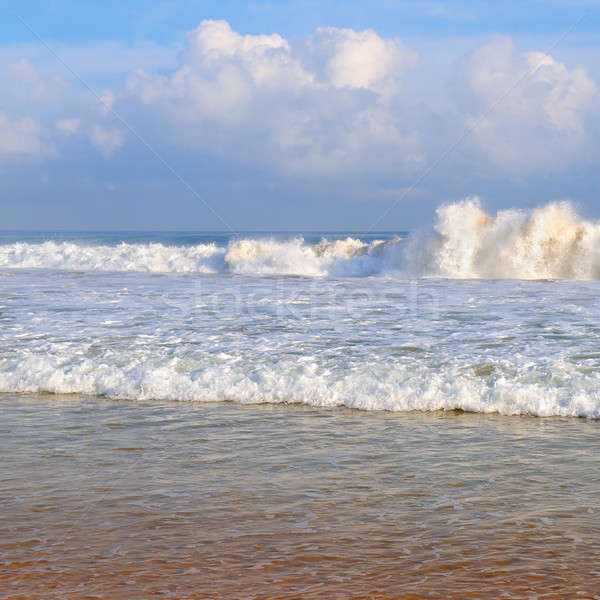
{"x":551,"y":242}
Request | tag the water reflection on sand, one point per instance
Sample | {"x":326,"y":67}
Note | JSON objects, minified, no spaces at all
{"x":144,"y":499}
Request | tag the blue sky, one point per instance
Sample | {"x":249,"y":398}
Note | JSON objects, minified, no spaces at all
{"x":293,"y":115}
{"x":166,"y":21}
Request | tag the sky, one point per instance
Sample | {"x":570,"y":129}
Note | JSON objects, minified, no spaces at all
{"x":293,"y":115}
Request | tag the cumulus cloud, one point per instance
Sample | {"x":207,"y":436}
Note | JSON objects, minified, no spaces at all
{"x":266,"y":60}
{"x":361,"y":59}
{"x":320,"y":105}
{"x":221,"y":71}
{"x":23,"y":137}
{"x":527,"y":110}
{"x":337,"y":102}
{"x":218,"y":61}
{"x":106,"y":140}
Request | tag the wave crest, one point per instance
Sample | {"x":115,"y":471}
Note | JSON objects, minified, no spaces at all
{"x":551,"y":242}
{"x":68,"y":256}
{"x":349,"y":257}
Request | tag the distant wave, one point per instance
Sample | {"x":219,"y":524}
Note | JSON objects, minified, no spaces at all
{"x":349,"y":257}
{"x":551,"y":242}
{"x":153,"y":258}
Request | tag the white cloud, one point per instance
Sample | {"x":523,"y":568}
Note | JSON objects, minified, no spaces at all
{"x":301,"y":107}
{"x":362,"y":59}
{"x":107,"y":141}
{"x":337,"y":102}
{"x":23,"y":137}
{"x":68,"y":126}
{"x":221,"y":71}
{"x":528,"y":109}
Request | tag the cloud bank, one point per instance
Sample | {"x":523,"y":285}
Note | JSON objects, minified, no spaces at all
{"x":320,"y":106}
{"x":339,"y":105}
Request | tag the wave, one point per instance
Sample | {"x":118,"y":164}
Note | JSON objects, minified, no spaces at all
{"x":349,"y":257}
{"x":68,"y":256}
{"x":551,"y":242}
{"x":397,"y":387}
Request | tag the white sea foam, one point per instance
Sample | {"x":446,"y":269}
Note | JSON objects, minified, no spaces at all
{"x":247,"y":256}
{"x":551,"y":242}
{"x":401,"y":388}
{"x":372,"y":343}
{"x":369,"y":343}
{"x":155,"y":258}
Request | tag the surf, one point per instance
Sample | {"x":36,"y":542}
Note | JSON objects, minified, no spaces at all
{"x":550,"y":242}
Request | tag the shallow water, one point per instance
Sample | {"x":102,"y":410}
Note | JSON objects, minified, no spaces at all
{"x":143,"y":499}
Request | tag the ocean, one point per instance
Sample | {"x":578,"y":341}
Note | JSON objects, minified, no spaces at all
{"x":282,"y":415}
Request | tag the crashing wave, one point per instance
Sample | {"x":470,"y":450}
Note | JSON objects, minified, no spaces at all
{"x":349,"y":257}
{"x":551,"y":242}
{"x":153,"y":258}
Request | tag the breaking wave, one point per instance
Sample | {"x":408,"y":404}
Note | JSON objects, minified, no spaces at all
{"x":397,"y":387}
{"x":551,"y":242}
{"x":349,"y":257}
{"x":68,"y":256}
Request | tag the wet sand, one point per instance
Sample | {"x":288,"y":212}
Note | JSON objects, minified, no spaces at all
{"x":115,"y":499}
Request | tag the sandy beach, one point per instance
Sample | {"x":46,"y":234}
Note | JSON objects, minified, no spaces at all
{"x":118,"y":499}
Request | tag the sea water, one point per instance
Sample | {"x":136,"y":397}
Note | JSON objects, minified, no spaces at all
{"x":487,"y":315}
{"x":147,"y":499}
{"x":176,"y":410}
